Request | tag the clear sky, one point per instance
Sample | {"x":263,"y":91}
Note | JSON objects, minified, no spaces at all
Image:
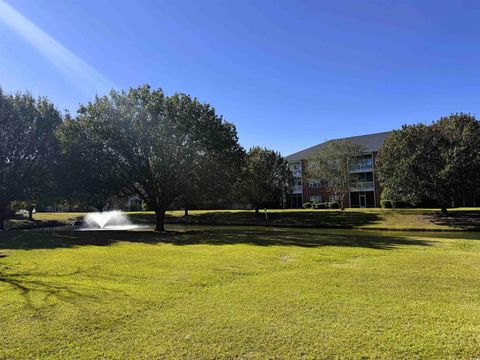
{"x":288,"y":74}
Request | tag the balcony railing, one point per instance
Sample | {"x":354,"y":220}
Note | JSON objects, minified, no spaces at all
{"x":362,"y":186}
{"x":297,"y":189}
{"x":360,"y":167}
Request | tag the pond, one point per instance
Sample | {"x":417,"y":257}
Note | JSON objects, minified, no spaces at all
{"x":280,"y":231}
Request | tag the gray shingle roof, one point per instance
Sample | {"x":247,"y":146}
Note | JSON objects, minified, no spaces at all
{"x":371,"y":142}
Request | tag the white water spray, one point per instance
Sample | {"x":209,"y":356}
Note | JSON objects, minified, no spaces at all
{"x":108,"y":220}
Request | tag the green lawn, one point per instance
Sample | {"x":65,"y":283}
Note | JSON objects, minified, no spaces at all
{"x":247,"y":293}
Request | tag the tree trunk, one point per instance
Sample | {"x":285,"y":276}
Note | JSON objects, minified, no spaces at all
{"x":160,"y":220}
{"x":186,"y":210}
{"x":30,"y":213}
{"x":444,"y":211}
{"x":257,"y":211}
{"x":3,"y":211}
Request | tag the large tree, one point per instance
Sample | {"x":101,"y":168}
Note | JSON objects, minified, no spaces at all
{"x":265,"y":178}
{"x":28,"y":150}
{"x":157,"y":145}
{"x":438,"y":162}
{"x":331,"y":165}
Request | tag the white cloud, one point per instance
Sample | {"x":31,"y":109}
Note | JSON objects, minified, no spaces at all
{"x":83,"y":75}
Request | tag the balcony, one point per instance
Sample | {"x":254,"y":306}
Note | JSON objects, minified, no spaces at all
{"x":297,"y":173}
{"x":354,"y":168}
{"x":362,"y":186}
{"x":297,"y":189}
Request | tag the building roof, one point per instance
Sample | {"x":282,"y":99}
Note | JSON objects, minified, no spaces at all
{"x":371,"y":142}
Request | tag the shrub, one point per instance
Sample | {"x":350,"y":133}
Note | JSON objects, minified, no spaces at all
{"x":334,"y":205}
{"x":386,"y":204}
{"x":307,"y":205}
{"x":320,"y":205}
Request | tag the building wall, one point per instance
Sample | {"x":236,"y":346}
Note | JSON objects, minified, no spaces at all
{"x":351,"y":200}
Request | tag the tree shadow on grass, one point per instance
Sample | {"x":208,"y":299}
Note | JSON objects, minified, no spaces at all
{"x":41,"y":290}
{"x":313,"y":219}
{"x":458,"y":219}
{"x":29,"y":240}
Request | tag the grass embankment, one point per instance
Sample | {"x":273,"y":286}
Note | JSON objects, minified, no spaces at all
{"x":249,"y":293}
{"x":43,"y":220}
{"x":374,"y":219}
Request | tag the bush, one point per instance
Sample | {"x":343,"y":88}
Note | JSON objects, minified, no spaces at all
{"x":307,"y":205}
{"x":334,"y":205}
{"x":320,"y":205}
{"x":386,"y":204}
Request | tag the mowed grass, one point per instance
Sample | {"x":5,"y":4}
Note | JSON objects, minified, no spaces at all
{"x":246,"y":293}
{"x":374,"y":219}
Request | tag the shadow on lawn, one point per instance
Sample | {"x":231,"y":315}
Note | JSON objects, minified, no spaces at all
{"x":269,"y":237}
{"x":40,"y":291}
{"x":314,"y":219}
{"x":459,"y":219}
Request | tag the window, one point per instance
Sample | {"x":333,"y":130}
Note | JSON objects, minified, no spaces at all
{"x":315,"y":198}
{"x":314,"y":183}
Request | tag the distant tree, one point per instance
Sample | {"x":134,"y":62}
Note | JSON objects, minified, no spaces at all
{"x":213,"y":180}
{"x":28,"y":150}
{"x":331,"y":165}
{"x":407,"y":164}
{"x":265,"y":178}
{"x":156,"y":144}
{"x":439,"y":161}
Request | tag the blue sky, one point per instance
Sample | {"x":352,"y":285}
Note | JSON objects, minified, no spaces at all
{"x":288,"y":74}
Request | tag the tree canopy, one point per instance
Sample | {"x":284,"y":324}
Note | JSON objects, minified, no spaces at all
{"x":90,"y":174}
{"x":265,"y":177}
{"x":440,"y":161}
{"x":159,"y":147}
{"x":28,"y":149}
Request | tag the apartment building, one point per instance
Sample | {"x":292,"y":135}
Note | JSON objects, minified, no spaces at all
{"x":365,"y":189}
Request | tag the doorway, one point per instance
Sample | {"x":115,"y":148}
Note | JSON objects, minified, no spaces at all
{"x":363,"y":201}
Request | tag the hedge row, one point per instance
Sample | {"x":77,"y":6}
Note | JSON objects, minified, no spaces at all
{"x":322,"y":205}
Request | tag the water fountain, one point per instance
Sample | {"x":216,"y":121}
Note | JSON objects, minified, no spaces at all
{"x":108,"y":220}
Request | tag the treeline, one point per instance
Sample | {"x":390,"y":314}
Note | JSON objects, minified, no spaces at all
{"x":437,"y":163}
{"x":165,"y":150}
